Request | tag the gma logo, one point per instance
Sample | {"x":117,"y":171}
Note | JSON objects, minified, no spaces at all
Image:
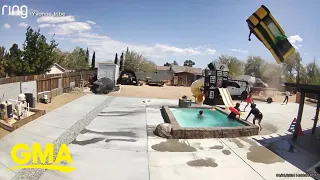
{"x":35,"y":154}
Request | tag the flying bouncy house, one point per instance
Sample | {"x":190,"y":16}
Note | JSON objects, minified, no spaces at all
{"x":265,"y":27}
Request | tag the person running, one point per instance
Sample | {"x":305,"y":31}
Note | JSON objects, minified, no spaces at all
{"x":257,"y":115}
{"x":248,"y":100}
{"x":232,"y":115}
{"x":286,"y":99}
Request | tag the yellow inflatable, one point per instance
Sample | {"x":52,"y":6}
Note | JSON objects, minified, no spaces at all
{"x":265,"y":27}
{"x":195,"y":89}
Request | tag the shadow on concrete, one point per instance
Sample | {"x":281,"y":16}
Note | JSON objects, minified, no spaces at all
{"x":304,"y":154}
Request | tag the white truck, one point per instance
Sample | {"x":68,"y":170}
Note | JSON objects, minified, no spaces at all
{"x":238,"y":88}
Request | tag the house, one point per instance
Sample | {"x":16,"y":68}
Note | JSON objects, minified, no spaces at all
{"x":182,"y":75}
{"x":57,"y":69}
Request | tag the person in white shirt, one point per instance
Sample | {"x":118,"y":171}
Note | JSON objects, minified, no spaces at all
{"x":286,"y":99}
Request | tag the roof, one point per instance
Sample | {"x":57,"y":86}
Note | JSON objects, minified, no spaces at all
{"x":307,"y":88}
{"x":59,"y":67}
{"x":179,"y":69}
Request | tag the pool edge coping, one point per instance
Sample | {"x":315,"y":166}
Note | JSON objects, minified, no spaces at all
{"x":207,"y":132}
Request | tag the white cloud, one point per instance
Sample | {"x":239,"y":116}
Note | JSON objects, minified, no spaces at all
{"x":106,"y":47}
{"x":295,"y":40}
{"x":7,"y":26}
{"x":55,"y":19}
{"x":239,"y":50}
{"x":44,"y":25}
{"x":70,"y":28}
{"x":23,"y":24}
{"x":91,"y":22}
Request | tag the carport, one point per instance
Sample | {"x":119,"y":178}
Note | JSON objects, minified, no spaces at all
{"x":303,"y":89}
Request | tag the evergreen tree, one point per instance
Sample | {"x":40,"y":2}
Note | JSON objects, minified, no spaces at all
{"x":87,"y":56}
{"x":121,"y":62}
{"x":93,"y":61}
{"x":116,"y":61}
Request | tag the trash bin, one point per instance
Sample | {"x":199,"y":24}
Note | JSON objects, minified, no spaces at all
{"x":30,"y":100}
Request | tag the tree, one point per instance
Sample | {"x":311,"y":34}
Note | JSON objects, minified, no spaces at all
{"x":121,"y":62}
{"x":189,"y":63}
{"x":87,"y":56}
{"x":175,"y":63}
{"x":93,"y":61}
{"x":15,"y":65}
{"x":78,"y":60}
{"x":313,"y":73}
{"x":167,"y":64}
{"x":116,"y":61}
{"x":137,"y":62}
{"x":38,"y":55}
{"x":235,"y":66}
{"x":253,"y":66}
{"x":3,"y":61}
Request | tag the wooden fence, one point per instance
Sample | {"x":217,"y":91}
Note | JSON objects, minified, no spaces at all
{"x":54,"y":84}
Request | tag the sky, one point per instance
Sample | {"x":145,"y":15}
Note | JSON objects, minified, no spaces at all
{"x":163,"y":31}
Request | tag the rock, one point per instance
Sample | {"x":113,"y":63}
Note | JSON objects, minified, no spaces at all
{"x":103,"y":85}
{"x":163,"y":130}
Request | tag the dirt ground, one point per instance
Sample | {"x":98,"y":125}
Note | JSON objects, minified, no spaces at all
{"x":169,"y":92}
{"x":56,"y":102}
{"x":60,"y":101}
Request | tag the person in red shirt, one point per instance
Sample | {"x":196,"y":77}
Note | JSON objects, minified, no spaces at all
{"x":248,"y":100}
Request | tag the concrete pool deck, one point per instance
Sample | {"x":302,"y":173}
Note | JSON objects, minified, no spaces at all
{"x":116,"y":142}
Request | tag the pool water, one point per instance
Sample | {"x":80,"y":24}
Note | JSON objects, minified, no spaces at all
{"x":188,"y":117}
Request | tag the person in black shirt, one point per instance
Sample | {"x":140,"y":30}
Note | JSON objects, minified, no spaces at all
{"x":232,"y":115}
{"x":257,"y":115}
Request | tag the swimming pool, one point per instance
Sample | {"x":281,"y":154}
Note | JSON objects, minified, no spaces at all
{"x":214,"y":124}
{"x":188,"y":117}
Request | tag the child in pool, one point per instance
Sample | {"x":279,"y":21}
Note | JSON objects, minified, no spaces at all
{"x":232,"y":115}
{"x":200,"y":115}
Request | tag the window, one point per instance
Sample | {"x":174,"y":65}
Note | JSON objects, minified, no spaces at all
{"x":233,"y":84}
{"x":272,"y":27}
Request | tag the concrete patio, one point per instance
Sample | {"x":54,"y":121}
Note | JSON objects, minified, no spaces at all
{"x":116,"y":143}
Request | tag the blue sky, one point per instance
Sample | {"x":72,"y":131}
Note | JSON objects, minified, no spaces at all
{"x":165,"y":30}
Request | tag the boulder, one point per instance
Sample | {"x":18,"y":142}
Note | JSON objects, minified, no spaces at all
{"x":163,"y":130}
{"x":102,"y":86}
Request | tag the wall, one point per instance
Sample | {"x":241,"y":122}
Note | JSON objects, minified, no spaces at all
{"x":11,"y":91}
{"x":55,"y":83}
{"x":55,"y":70}
{"x":29,"y":87}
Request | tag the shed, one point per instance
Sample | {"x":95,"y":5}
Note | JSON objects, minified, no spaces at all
{"x":108,"y":70}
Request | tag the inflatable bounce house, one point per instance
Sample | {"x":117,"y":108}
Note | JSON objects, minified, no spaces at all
{"x":265,"y":27}
{"x":214,"y":86}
